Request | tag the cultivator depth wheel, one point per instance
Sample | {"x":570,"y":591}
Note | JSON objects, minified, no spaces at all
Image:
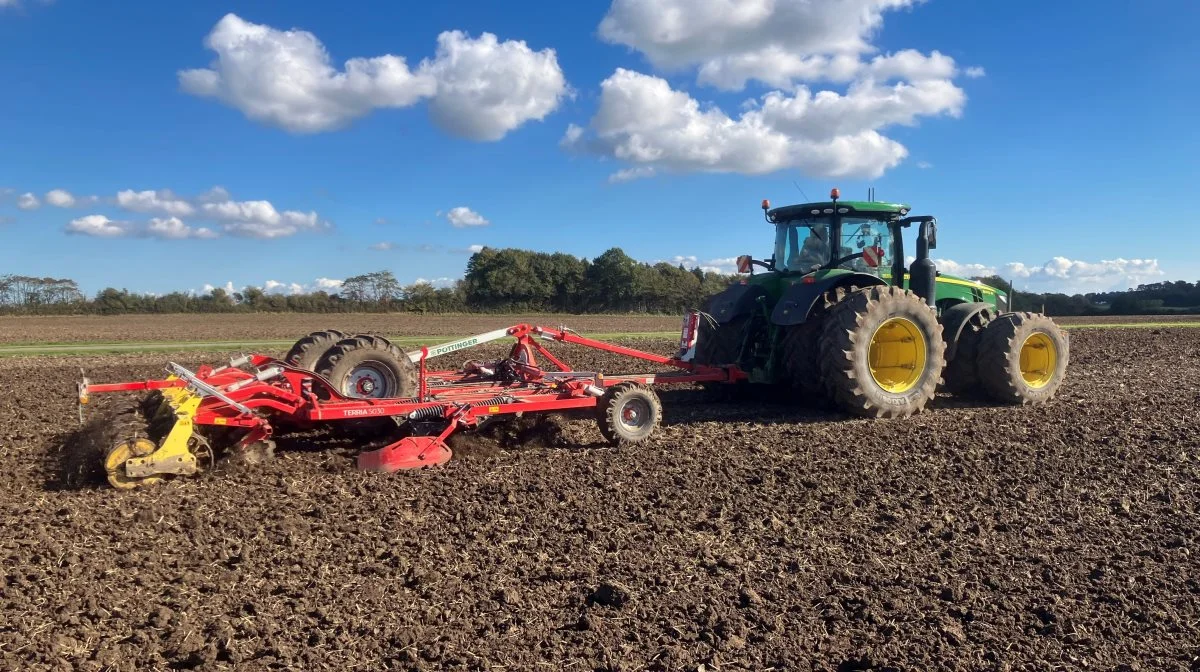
{"x":628,"y":413}
{"x":308,"y":351}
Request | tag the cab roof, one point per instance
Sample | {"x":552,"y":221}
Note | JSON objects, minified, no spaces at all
{"x":861,"y":208}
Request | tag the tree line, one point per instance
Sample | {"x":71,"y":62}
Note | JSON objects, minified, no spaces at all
{"x":1158,"y":298}
{"x":510,"y":280}
{"x":496,"y":280}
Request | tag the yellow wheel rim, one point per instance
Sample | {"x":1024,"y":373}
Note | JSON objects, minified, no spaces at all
{"x":1039,"y":359}
{"x":114,"y":463}
{"x":897,"y":355}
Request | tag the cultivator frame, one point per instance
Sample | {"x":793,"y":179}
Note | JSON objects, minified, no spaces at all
{"x":255,"y":393}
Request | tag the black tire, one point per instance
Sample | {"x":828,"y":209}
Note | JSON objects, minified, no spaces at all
{"x":801,"y":349}
{"x":849,"y":343}
{"x":961,"y":375}
{"x":307,"y":352}
{"x":628,"y":414}
{"x":391,"y":367}
{"x":369,"y":367}
{"x":720,"y":344}
{"x":1023,"y":358}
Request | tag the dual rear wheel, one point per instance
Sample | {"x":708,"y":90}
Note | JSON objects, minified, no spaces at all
{"x":879,"y":352}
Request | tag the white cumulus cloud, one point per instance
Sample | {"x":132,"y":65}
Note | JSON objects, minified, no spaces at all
{"x":171,"y":228}
{"x":60,"y":198}
{"x":478,"y":88}
{"x":260,"y":219}
{"x":631,"y":174}
{"x":99,"y":226}
{"x":1061,"y":274}
{"x":27,"y":201}
{"x":440,"y":283}
{"x":174,"y":228}
{"x":643,"y":121}
{"x":486,"y":88}
{"x":463,"y":217}
{"x":773,"y":41}
{"x":785,"y":44}
{"x":723,"y":265}
{"x":160,"y":202}
{"x":975,"y":72}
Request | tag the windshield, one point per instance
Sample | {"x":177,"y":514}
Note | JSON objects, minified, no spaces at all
{"x":802,"y":245}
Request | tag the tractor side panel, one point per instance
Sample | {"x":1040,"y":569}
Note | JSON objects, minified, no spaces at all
{"x":951,"y":289}
{"x":735,"y":301}
{"x":798,"y":299}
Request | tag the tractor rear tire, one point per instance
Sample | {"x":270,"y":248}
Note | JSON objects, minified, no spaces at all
{"x":801,"y":350}
{"x":961,"y":375}
{"x":307,"y":352}
{"x":1023,"y":358}
{"x":801,"y":343}
{"x":882,"y":353}
{"x":628,"y":414}
{"x":720,"y":345}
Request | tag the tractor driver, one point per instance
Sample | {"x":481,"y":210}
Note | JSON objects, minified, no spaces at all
{"x":815,"y":251}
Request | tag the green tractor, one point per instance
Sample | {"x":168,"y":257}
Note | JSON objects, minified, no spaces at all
{"x":837,"y":316}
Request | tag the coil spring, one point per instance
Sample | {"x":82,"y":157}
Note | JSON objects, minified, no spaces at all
{"x":431,"y":412}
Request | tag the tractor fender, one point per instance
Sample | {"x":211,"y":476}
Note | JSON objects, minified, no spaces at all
{"x":734,"y":301}
{"x":798,"y":300}
{"x":956,"y":317}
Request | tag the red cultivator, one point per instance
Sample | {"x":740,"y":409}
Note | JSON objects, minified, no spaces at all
{"x":253,"y":396}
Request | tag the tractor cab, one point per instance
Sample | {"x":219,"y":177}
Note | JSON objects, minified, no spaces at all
{"x":862,"y":237}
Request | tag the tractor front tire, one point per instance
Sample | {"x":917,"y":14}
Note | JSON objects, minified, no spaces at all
{"x":882,"y":353}
{"x":307,"y":352}
{"x":628,"y":414}
{"x":1023,"y":358}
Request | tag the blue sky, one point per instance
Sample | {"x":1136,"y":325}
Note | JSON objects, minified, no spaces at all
{"x":160,"y":146}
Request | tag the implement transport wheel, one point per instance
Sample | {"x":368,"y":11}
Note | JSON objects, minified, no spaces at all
{"x":628,"y":413}
{"x":308,"y":351}
{"x":369,"y":367}
{"x":1023,"y":358}
{"x":881,"y":353}
{"x":114,"y":463}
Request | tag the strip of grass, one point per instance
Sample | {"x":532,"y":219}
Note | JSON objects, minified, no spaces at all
{"x":1131,"y":325}
{"x":43,"y":349}
{"x":102,"y":348}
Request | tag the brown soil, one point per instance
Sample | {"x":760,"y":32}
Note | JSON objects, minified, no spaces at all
{"x":745,"y":535}
{"x":288,"y":326}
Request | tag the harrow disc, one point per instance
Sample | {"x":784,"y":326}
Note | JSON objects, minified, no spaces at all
{"x":203,"y":450}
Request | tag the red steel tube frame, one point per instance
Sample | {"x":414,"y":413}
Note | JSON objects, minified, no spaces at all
{"x":292,"y":395}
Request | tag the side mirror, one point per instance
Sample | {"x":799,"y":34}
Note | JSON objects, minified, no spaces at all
{"x":932,"y":235}
{"x":745,"y":263}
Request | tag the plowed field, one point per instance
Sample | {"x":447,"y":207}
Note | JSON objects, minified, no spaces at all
{"x":745,"y":535}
